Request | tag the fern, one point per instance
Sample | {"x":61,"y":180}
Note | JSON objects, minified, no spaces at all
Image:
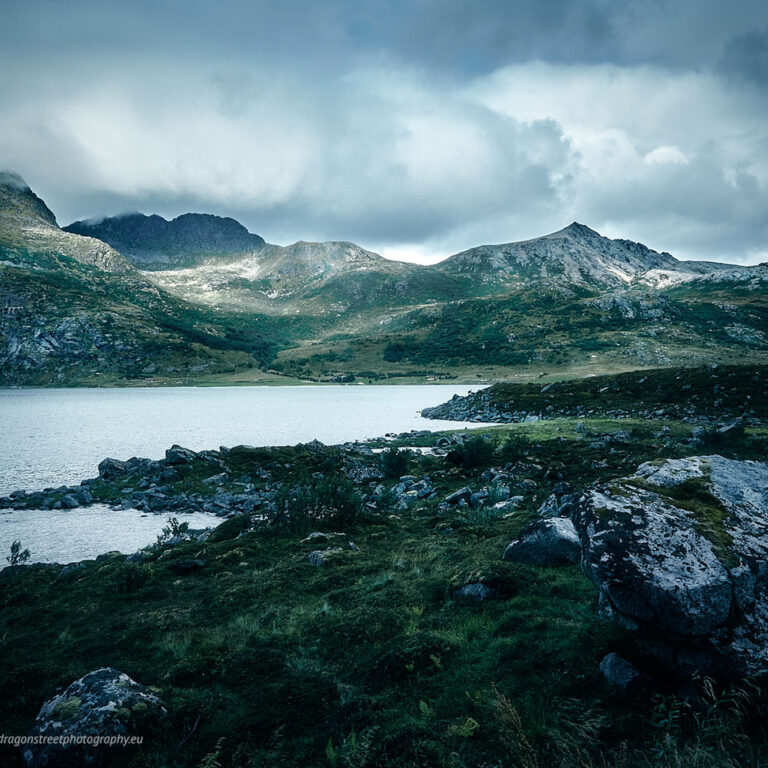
{"x":211,"y":760}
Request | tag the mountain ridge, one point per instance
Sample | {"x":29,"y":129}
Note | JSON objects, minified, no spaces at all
{"x":573,"y":255}
{"x":153,"y":242}
{"x":74,"y":311}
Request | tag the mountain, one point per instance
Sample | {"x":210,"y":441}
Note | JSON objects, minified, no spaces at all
{"x":212,"y":301}
{"x":316,"y":279}
{"x":152,"y":242}
{"x":74,"y":311}
{"x":575,"y":255}
{"x":29,"y":234}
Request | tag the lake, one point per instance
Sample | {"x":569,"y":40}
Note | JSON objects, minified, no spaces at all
{"x":67,"y":536}
{"x":52,"y":437}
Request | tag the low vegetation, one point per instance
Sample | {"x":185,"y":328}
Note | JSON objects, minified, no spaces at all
{"x":371,"y":659}
{"x":709,"y":392}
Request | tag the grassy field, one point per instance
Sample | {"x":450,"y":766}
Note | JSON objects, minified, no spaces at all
{"x":372,"y":660}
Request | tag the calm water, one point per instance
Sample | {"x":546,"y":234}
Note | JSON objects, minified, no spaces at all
{"x":67,"y":536}
{"x":50,"y":437}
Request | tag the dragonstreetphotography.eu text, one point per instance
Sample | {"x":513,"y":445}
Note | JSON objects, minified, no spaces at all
{"x":67,"y":740}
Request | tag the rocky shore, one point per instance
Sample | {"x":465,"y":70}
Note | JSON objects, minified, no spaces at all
{"x":206,"y":481}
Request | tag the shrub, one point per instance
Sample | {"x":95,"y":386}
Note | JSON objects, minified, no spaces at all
{"x":173,"y":530}
{"x":473,"y":452}
{"x":18,"y":556}
{"x":299,"y":507}
{"x":394,"y":352}
{"x":128,"y":577}
{"x":394,"y":462}
{"x":514,"y":448}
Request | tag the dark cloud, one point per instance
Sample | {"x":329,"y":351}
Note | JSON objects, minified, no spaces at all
{"x":458,"y":34}
{"x":746,"y":58}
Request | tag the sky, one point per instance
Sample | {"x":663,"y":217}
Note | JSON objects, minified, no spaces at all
{"x":416,"y":129}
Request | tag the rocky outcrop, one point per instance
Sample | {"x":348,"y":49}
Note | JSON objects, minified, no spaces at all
{"x":104,"y":706}
{"x":678,"y":553}
{"x":321,"y":557}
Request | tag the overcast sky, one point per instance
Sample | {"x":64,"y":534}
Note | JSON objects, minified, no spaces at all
{"x":416,"y":129}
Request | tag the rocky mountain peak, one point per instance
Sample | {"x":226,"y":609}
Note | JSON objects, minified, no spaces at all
{"x":18,"y":201}
{"x":576,"y":230}
{"x":188,"y":240}
{"x":29,"y":234}
{"x":574,"y":255}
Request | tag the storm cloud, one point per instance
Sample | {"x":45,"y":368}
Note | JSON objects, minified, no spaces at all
{"x":416,"y":129}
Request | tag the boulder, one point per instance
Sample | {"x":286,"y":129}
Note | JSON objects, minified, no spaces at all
{"x":678,"y":553}
{"x":463,"y":494}
{"x":479,"y":592}
{"x":733,"y":430}
{"x":109,"y":469}
{"x":219,"y":479}
{"x":319,"y":537}
{"x":510,"y":504}
{"x":105,"y":703}
{"x":557,"y":506}
{"x":620,"y":674}
{"x":169,"y":475}
{"x":69,"y":502}
{"x":551,"y":541}
{"x":322,"y":557}
{"x":362,"y":473}
{"x":70,"y":568}
{"x":179,"y":455}
{"x":84,"y":496}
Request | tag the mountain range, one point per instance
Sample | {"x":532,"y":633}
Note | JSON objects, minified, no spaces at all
{"x":140,"y":298}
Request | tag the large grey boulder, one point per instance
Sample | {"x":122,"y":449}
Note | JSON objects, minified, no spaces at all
{"x":321,"y":557}
{"x":552,"y":541}
{"x":679,"y":553}
{"x":104,"y":706}
{"x":69,"y":502}
{"x":463,"y":494}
